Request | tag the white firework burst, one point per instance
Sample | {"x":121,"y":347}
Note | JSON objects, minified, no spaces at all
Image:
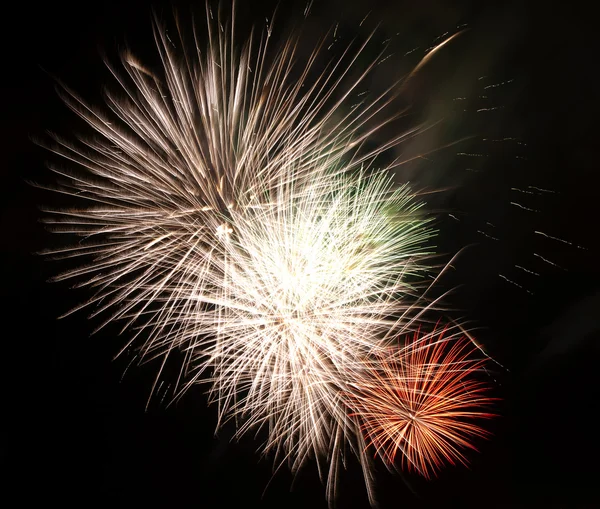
{"x":231,"y":213}
{"x":306,"y":291}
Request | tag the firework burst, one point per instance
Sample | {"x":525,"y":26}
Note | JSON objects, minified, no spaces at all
{"x":232,"y":213}
{"x":309,"y":290}
{"x":423,"y":402}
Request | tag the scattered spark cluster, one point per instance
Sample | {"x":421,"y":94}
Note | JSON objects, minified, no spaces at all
{"x":232,"y":212}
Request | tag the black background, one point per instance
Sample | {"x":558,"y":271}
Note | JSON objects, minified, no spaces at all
{"x":77,"y":432}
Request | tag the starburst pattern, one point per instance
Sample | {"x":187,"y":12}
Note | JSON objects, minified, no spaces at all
{"x":307,"y":291}
{"x":424,"y":402}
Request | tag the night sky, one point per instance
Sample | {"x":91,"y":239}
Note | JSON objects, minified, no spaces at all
{"x":76,"y":430}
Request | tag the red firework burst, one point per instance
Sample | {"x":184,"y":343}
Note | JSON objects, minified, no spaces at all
{"x":422,"y":401}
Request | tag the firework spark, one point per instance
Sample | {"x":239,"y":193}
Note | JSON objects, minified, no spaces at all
{"x":231,"y":213}
{"x":423,"y":402}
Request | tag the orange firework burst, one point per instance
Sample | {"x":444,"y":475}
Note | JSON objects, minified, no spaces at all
{"x":423,"y":401}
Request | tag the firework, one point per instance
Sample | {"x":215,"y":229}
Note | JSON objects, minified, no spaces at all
{"x":232,"y":213}
{"x":308,"y":291}
{"x":423,"y":402}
